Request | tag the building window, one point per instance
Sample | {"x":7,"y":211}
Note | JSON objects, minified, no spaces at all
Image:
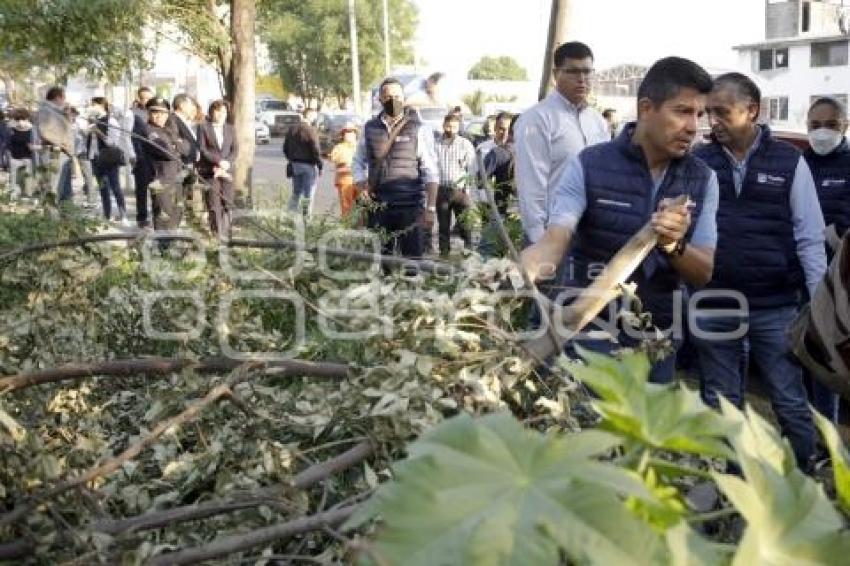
{"x":774,"y":109}
{"x":841,"y":98}
{"x":806,"y":17}
{"x":829,"y":54}
{"x":773,"y":59}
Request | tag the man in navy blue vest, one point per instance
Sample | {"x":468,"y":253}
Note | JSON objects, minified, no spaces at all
{"x":612,"y":189}
{"x":770,"y":244}
{"x":828,"y":157}
{"x":395,"y":167}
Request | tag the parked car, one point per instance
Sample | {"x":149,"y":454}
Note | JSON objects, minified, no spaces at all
{"x":433,"y":116}
{"x":473,"y":130}
{"x":261,"y":133}
{"x":283,"y":122}
{"x":329,"y":127}
{"x":269,"y":109}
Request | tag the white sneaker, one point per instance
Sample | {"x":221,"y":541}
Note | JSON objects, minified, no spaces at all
{"x":125,"y":221}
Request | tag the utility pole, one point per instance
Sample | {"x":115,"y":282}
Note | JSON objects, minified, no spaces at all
{"x":558,"y":20}
{"x":355,"y":59}
{"x":387,"y":65}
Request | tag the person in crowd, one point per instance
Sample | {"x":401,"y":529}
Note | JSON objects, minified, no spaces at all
{"x":342,"y":155}
{"x":828,"y":158}
{"x":166,"y":152}
{"x":611,"y":190}
{"x":499,"y":167}
{"x":610,"y":116}
{"x":182,"y":124}
{"x":395,"y":168}
{"x":142,"y":167}
{"x":21,"y":146}
{"x":106,"y":156}
{"x":56,"y":137}
{"x":4,"y":142}
{"x":218,"y":149}
{"x":770,"y":248}
{"x":428,"y":95}
{"x":81,"y":154}
{"x":458,"y":168}
{"x":489,"y":142}
{"x":301,"y":148}
{"x":553,"y":131}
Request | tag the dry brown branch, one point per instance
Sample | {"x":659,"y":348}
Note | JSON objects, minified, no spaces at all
{"x":224,"y":546}
{"x":242,"y":500}
{"x":162,"y":367}
{"x":106,"y":468}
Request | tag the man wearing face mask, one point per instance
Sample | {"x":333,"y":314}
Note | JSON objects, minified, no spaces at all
{"x":769,"y":249}
{"x":829,"y":159}
{"x":395,"y":168}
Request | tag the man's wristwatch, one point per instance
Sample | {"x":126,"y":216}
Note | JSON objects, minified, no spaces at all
{"x":676,"y":249}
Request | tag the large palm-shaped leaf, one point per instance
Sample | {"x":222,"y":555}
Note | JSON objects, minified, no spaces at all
{"x":840,"y":460}
{"x":790,"y":521}
{"x":658,"y":416}
{"x":493,"y":492}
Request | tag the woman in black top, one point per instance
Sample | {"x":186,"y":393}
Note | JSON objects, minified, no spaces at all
{"x":301,"y":148}
{"x":217,"y":145}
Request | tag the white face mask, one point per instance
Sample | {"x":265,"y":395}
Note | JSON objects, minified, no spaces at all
{"x":824,"y":140}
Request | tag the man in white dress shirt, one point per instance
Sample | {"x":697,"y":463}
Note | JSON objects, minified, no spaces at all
{"x":551,"y":132}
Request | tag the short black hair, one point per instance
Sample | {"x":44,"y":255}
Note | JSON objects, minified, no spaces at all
{"x":743,"y":86}
{"x":571,"y":50}
{"x":54,"y":92}
{"x":504,"y":116}
{"x":608,"y":111}
{"x":143,"y":89}
{"x":666,"y":77}
{"x":831,"y":102}
{"x":389,"y":81}
{"x":101,"y":101}
{"x":180,"y":99}
{"x":451,"y":117}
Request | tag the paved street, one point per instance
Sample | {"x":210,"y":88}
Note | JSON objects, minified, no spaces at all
{"x":272,"y":188}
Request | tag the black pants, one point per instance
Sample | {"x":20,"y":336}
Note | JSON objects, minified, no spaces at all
{"x":168,"y":206}
{"x":141,"y":180}
{"x":219,"y":198}
{"x":451,"y":201}
{"x":403,"y":229}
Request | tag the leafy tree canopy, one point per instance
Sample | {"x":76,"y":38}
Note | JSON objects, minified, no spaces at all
{"x":502,"y":68}
{"x":309,"y":43}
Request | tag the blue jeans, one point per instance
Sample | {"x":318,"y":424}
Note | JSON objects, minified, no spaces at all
{"x":66,"y":168}
{"x":722,"y":364}
{"x":107,"y":179}
{"x":304,"y":177}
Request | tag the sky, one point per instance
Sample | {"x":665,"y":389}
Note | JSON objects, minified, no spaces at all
{"x":454,"y":34}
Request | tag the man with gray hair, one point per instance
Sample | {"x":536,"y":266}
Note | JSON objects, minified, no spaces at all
{"x":769,"y":251}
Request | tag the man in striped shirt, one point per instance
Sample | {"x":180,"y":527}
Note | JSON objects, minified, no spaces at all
{"x":458,"y":167}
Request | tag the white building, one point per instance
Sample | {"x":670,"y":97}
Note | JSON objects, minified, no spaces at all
{"x":804,"y":56}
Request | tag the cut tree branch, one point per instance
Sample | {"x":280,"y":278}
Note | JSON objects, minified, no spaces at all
{"x":244,"y":500}
{"x":423,"y":265}
{"x":163,"y":367}
{"x":106,"y":468}
{"x":110,"y":237}
{"x":224,"y":546}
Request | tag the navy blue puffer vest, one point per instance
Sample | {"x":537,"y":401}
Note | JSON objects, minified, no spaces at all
{"x":399,"y":181}
{"x":832,"y":179}
{"x":620,"y":201}
{"x":756,"y":250}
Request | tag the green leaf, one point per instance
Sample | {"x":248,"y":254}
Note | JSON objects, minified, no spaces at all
{"x":790,"y":521}
{"x":658,"y":416}
{"x":840,"y":459}
{"x":687,"y":548}
{"x":492,"y":492}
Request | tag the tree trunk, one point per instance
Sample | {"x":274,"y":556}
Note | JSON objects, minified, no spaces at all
{"x":243,"y":19}
{"x":558,"y":19}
